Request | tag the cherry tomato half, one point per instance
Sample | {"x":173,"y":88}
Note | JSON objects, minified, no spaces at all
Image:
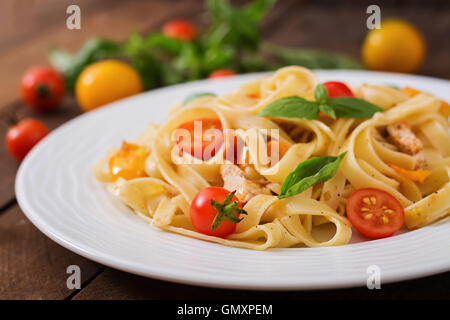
{"x":337,"y":89}
{"x":197,"y":145}
{"x":42,"y":88}
{"x":221,"y":73}
{"x":203,"y":213}
{"x":180,"y":29}
{"x":22,"y":137}
{"x":128,"y":162}
{"x":375,"y":213}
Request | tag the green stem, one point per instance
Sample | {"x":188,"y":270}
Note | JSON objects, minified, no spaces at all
{"x":226,"y":210}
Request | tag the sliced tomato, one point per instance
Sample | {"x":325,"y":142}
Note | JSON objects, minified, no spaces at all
{"x":375,"y":213}
{"x":337,"y":89}
{"x":205,"y":144}
{"x":129,"y":162}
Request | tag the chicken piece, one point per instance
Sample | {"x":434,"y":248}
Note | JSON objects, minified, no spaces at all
{"x":234,"y":179}
{"x":403,"y":137}
{"x":407,"y":142}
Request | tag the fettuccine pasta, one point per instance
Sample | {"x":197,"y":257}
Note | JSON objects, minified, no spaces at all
{"x":403,"y":151}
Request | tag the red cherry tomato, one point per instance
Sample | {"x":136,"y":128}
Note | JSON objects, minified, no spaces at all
{"x":22,"y":137}
{"x":337,"y":89}
{"x":42,"y":88}
{"x":375,"y":213}
{"x":221,"y":73}
{"x":197,"y":145}
{"x":203,"y":213}
{"x":180,"y":29}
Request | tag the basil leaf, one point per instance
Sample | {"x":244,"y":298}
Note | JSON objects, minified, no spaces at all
{"x":291,"y":107}
{"x":346,"y":107}
{"x":194,"y":96}
{"x":328,"y":110}
{"x":308,"y":173}
{"x":321,"y":94}
{"x":303,"y":170}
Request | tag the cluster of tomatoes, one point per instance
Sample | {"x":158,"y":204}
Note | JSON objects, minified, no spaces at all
{"x":43,"y":89}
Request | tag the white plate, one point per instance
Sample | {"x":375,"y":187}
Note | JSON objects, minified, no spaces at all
{"x":57,"y":191}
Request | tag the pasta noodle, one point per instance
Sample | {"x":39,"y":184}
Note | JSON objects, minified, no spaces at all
{"x":317,"y":216}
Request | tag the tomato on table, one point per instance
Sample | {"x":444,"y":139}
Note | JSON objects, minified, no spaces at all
{"x":42,"y":88}
{"x":221,"y":73}
{"x":205,"y":141}
{"x":106,"y":81}
{"x":180,"y":29}
{"x":375,"y":213}
{"x":215,"y":212}
{"x":22,"y":137}
{"x":397,"y":46}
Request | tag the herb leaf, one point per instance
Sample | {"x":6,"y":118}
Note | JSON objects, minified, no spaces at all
{"x":291,"y":107}
{"x":346,"y":107}
{"x":194,"y":96}
{"x":308,"y":173}
{"x":328,"y":110}
{"x":226,"y":210}
{"x":321,"y":94}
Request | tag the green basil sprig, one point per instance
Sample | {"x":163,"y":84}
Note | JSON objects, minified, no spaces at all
{"x":308,"y":173}
{"x":291,"y":107}
{"x":297,"y":107}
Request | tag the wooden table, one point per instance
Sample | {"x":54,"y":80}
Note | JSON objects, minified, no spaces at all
{"x":34,"y":267}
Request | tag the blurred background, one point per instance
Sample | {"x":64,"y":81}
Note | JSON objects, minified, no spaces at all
{"x":30,"y":27}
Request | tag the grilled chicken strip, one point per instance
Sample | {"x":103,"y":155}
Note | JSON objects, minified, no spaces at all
{"x":234,"y":179}
{"x":406,"y":141}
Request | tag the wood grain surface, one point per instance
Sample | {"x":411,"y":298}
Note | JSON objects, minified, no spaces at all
{"x":34,"y":267}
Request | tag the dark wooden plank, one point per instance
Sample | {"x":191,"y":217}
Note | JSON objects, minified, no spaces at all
{"x":31,"y":265}
{"x":114,"y":284}
{"x":435,"y":287}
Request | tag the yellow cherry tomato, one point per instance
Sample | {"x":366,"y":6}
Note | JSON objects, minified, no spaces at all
{"x":129,"y":162}
{"x":106,"y":81}
{"x":398,"y":46}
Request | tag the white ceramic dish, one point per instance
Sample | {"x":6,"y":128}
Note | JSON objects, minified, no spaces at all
{"x":57,"y":191}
